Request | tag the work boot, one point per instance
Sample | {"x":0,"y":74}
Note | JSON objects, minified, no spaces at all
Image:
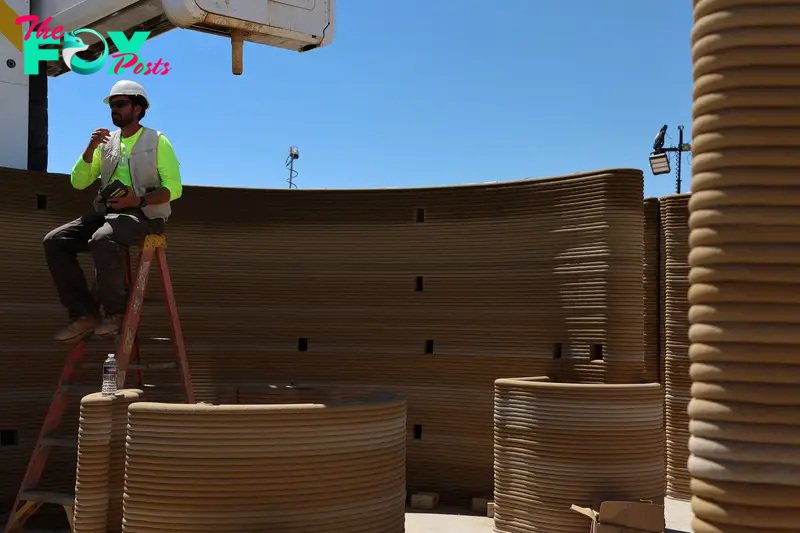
{"x":78,"y":329}
{"x":110,"y":326}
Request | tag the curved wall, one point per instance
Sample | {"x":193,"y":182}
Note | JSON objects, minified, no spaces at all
{"x":335,"y":466}
{"x":559,"y":444}
{"x":433,"y":293}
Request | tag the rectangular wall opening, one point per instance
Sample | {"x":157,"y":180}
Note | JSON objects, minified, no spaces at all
{"x":418,"y":284}
{"x":41,"y":202}
{"x":420,"y":214}
{"x":302,"y":344}
{"x":429,"y":346}
{"x":557,"y":351}
{"x":417,"y":431}
{"x":596,"y":352}
{"x":9,"y":437}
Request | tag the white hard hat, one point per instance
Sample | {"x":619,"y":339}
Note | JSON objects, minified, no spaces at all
{"x":128,"y":88}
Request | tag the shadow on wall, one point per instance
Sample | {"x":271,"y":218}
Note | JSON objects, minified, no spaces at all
{"x":433,"y":293}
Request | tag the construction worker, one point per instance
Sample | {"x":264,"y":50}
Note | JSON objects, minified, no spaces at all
{"x":143,"y":161}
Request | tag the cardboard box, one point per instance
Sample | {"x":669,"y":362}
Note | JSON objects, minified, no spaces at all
{"x":624,"y":517}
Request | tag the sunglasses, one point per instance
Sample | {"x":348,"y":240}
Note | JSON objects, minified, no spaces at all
{"x":118,"y":104}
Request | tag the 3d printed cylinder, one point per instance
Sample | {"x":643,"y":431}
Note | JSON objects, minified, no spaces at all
{"x":333,"y":467}
{"x":91,"y":477}
{"x":558,"y":444}
{"x":745,"y":267}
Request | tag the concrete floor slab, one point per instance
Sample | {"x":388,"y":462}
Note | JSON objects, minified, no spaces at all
{"x":433,"y":522}
{"x":678,"y":516}
{"x":452,"y":520}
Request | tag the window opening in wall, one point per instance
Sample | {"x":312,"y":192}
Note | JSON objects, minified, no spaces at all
{"x":420,"y":214}
{"x":41,"y":202}
{"x":418,"y":286}
{"x":302,"y":344}
{"x":429,"y":346}
{"x":417,"y":431}
{"x":9,"y":437}
{"x":596,"y":352}
{"x":557,"y":351}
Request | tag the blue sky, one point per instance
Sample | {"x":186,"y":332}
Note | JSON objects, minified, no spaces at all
{"x":415,"y":93}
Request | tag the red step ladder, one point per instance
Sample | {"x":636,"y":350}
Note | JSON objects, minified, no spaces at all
{"x":127,"y":355}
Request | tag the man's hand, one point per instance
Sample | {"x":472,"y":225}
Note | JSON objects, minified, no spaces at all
{"x":124,"y":202}
{"x":99,"y":136}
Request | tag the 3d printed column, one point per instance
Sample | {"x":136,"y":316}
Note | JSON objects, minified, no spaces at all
{"x":558,"y":444}
{"x":116,"y":468}
{"x":745,"y":259}
{"x":91,"y":477}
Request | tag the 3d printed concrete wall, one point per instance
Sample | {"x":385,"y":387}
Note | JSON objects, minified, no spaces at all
{"x":558,"y":444}
{"x":431,"y":292}
{"x":116,"y":468}
{"x":745,"y":278}
{"x":100,"y":474}
{"x":652,"y":290}
{"x":94,"y":446}
{"x":677,"y":383}
{"x":334,"y":467}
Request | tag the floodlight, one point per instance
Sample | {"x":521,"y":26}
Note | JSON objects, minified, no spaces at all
{"x":659,"y":163}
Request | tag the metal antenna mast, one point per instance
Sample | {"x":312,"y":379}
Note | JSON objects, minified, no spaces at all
{"x":294,"y":153}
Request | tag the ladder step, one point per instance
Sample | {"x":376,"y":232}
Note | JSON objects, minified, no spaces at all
{"x":80,"y":389}
{"x":60,"y":442}
{"x":48,"y":497}
{"x":137,"y":366}
{"x":153,"y":366}
{"x":162,"y":385}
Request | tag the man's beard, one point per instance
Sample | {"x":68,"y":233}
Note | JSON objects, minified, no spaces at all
{"x":119,"y":121}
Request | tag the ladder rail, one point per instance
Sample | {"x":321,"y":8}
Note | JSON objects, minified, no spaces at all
{"x":130,"y":324}
{"x":175,"y":323}
{"x":52,"y":420}
{"x":153,"y":248}
{"x":138,"y":381}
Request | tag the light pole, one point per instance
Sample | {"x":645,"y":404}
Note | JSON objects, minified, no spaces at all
{"x":659,"y":160}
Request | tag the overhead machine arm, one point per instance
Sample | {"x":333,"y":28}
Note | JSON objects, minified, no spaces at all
{"x":298,"y":25}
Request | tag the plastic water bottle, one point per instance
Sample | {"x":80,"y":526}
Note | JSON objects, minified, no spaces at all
{"x":110,"y":375}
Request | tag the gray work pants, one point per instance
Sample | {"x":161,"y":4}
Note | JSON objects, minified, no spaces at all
{"x":108,"y":237}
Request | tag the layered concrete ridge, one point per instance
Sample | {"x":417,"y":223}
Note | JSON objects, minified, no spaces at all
{"x":677,"y":384}
{"x":745,"y":267}
{"x":94,"y":453}
{"x":335,"y":467}
{"x":558,"y":444}
{"x":431,"y":292}
{"x":116,"y":466}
